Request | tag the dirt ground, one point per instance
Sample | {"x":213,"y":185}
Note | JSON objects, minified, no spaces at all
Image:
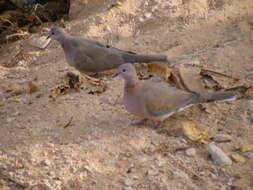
{"x":98,"y":149}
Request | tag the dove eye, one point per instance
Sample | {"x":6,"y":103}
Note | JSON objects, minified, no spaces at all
{"x":123,"y":70}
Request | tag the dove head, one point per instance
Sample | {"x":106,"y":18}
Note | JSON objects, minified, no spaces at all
{"x":57,"y":33}
{"x":128,"y":73}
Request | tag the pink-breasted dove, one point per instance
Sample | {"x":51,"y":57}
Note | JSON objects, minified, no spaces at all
{"x":157,"y":101}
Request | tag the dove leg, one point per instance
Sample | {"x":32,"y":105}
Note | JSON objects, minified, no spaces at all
{"x":158,"y":125}
{"x":139,"y":123}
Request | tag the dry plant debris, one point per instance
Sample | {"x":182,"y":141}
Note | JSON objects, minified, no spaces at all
{"x":194,"y":133}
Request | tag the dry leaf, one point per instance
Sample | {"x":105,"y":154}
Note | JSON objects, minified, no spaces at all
{"x":160,"y":69}
{"x":32,"y":87}
{"x":249,"y":92}
{"x":163,"y":148}
{"x":116,"y":4}
{"x":247,"y":147}
{"x":194,"y":133}
{"x":60,"y":89}
{"x":73,"y":81}
{"x":246,"y":26}
{"x":218,"y":80}
{"x":175,"y":75}
{"x":238,"y":158}
{"x":188,"y":78}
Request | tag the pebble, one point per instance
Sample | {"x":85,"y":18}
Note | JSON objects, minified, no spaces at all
{"x":152,"y":172}
{"x":10,"y":119}
{"x":40,"y":42}
{"x":222,"y":138}
{"x":141,"y":19}
{"x":218,"y":155}
{"x":181,"y":174}
{"x":190,"y":152}
{"x":147,"y":15}
{"x":45,"y":162}
{"x":128,"y":182}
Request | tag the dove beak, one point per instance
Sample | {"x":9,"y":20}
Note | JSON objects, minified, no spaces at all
{"x":49,"y":36}
{"x":116,"y":75}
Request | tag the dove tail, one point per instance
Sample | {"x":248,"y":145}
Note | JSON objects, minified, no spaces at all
{"x":218,"y":97}
{"x":139,"y":58}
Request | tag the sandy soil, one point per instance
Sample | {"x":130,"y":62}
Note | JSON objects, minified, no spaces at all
{"x":98,"y":150}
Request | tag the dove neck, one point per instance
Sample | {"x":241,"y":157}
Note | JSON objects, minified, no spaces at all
{"x":64,"y":40}
{"x":131,"y":84}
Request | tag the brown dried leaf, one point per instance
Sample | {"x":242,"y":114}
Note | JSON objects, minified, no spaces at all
{"x":194,"y":133}
{"x":218,"y":80}
{"x":190,"y":78}
{"x":162,"y":148}
{"x":116,"y":4}
{"x":249,"y":92}
{"x":72,"y":81}
{"x":32,"y":87}
{"x":246,"y":26}
{"x":160,"y":69}
{"x":175,"y":76}
{"x":60,"y":89}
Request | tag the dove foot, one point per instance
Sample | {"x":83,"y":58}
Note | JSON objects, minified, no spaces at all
{"x":138,"y":124}
{"x":157,"y":125}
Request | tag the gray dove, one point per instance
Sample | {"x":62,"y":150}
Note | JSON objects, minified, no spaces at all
{"x":158,"y":101}
{"x":89,"y":56}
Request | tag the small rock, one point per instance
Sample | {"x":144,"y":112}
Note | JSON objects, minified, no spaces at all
{"x":39,"y":95}
{"x":10,"y":119}
{"x":222,"y":138}
{"x":141,"y":19}
{"x":108,"y":29}
{"x":155,"y":9}
{"x":45,"y":162}
{"x":219,"y":156}
{"x":40,"y":42}
{"x":248,"y":155}
{"x":152,"y":172}
{"x":190,"y":152}
{"x":128,"y":182}
{"x":180,"y":174}
{"x":147,"y":15}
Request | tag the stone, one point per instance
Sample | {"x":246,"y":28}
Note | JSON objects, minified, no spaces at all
{"x":40,"y":42}
{"x":190,"y":152}
{"x":222,"y":138}
{"x":147,"y":15}
{"x":218,"y":155}
{"x":181,"y":174}
{"x":128,"y":182}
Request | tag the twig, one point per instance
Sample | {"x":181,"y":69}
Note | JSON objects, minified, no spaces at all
{"x":68,"y":123}
{"x":6,"y":20}
{"x":218,"y":73}
{"x":16,"y":35}
{"x":187,"y":169}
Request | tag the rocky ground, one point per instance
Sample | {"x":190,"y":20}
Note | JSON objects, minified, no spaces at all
{"x":82,"y":140}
